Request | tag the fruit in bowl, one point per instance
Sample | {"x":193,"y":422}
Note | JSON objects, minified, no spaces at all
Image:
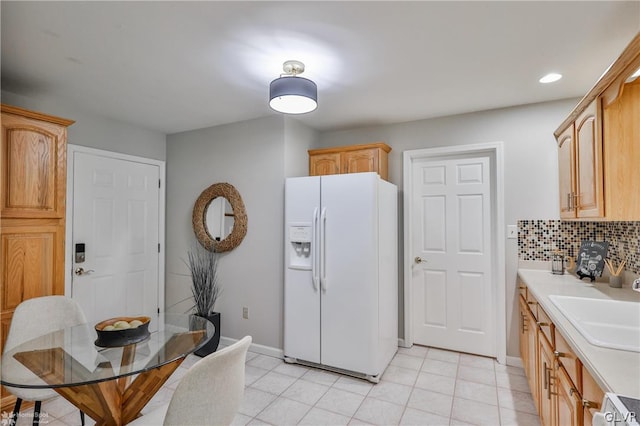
{"x":122,"y":331}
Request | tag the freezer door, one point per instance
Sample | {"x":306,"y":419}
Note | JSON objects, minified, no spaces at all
{"x":349,"y":271}
{"x":301,"y":290}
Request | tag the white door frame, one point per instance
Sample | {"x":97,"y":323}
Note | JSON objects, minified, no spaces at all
{"x":495,"y":151}
{"x":71,"y":150}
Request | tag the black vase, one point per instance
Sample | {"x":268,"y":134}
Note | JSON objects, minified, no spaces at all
{"x":212,"y":345}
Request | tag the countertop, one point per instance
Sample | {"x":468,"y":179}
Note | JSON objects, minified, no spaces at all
{"x":614,"y":370}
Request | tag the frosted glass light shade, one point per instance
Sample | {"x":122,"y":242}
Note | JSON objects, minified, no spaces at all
{"x":293,"y":95}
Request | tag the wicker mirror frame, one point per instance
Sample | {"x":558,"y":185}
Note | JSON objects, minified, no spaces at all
{"x":199,"y":218}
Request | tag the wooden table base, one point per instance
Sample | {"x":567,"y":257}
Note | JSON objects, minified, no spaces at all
{"x":112,"y":402}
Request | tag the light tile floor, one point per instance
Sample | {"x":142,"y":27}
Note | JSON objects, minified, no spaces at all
{"x":422,"y":386}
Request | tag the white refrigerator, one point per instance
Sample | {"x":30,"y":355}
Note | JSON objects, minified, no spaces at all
{"x":341,"y":273}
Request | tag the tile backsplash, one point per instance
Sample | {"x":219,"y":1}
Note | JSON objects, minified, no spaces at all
{"x":538,"y":239}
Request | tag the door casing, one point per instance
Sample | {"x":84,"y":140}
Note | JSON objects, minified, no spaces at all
{"x":71,"y":150}
{"x":495,"y":151}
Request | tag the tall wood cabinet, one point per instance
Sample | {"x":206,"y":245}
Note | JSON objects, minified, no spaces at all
{"x":597,"y":146}
{"x":350,"y":159}
{"x":33,"y":149}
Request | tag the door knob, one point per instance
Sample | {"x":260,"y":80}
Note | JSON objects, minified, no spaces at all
{"x":418,"y":259}
{"x":81,"y":271}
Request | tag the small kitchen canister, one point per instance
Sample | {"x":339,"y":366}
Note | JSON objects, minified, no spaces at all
{"x":615,"y":281}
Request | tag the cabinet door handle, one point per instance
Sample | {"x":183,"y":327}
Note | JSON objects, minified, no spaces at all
{"x":569,"y":201}
{"x":558,"y":354}
{"x":589,"y":404}
{"x":576,"y":201}
{"x":542,"y":324}
{"x":548,"y":373}
{"x":546,"y":377}
{"x":532,"y":303}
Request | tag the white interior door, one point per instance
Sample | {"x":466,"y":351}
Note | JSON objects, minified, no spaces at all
{"x":116,"y":216}
{"x":451,"y":251}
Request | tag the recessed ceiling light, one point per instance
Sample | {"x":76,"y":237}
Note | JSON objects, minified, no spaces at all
{"x":550,"y":78}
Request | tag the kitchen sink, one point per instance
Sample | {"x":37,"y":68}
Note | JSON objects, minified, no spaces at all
{"x":608,"y":323}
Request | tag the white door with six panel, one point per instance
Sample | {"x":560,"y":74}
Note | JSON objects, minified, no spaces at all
{"x":115,"y":216}
{"x":453,"y":293}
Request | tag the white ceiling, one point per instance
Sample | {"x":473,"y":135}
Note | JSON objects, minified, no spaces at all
{"x":175,"y":66}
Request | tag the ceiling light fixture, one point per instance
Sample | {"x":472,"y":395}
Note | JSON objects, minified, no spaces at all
{"x":550,"y":78}
{"x":291,"y":94}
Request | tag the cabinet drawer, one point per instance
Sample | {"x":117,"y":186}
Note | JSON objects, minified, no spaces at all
{"x":533,"y":304}
{"x":522,"y":290}
{"x":569,"y":361}
{"x":545,"y":324}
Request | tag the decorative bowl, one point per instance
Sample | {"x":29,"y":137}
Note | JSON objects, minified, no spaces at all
{"x":121,"y":336}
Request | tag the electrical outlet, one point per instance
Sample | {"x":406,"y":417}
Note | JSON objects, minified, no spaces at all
{"x":245,"y":312}
{"x":512,"y":231}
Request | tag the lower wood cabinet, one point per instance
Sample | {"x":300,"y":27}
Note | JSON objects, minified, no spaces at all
{"x":546,"y":381}
{"x":568,"y":402}
{"x":529,"y":348}
{"x":592,"y":397}
{"x":563,"y":390}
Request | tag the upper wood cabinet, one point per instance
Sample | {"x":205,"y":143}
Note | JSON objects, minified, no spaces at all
{"x":350,"y":159}
{"x":33,"y":177}
{"x":598,"y":150}
{"x":580,"y":167}
{"x":33,"y":159}
{"x":567,"y":172}
{"x":587,"y":199}
{"x":621,"y":134}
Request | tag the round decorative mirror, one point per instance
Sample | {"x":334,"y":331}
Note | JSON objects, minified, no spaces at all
{"x":219,"y":218}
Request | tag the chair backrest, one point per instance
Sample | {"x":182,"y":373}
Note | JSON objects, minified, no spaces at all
{"x":41,"y":315}
{"x":211,"y":392}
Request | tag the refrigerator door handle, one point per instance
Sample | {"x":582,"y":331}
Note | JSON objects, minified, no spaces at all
{"x":315,"y":277}
{"x":323,"y":244}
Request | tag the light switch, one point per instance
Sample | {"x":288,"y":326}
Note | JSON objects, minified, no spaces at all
{"x":512,"y":232}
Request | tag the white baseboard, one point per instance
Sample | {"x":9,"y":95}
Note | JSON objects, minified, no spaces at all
{"x":514,"y":361}
{"x":259,"y":349}
{"x":402,"y":344}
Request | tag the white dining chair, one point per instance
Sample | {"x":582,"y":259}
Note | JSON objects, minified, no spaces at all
{"x":33,"y":318}
{"x":210,"y":393}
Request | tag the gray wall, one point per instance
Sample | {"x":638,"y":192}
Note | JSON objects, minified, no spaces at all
{"x":298,"y":139}
{"x":255,"y":156}
{"x":531,"y":167}
{"x":94,"y":130}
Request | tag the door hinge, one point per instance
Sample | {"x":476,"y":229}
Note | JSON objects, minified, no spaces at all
{"x":158,"y":247}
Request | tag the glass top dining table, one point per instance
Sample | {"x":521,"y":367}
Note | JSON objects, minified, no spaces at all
{"x":70,"y":362}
